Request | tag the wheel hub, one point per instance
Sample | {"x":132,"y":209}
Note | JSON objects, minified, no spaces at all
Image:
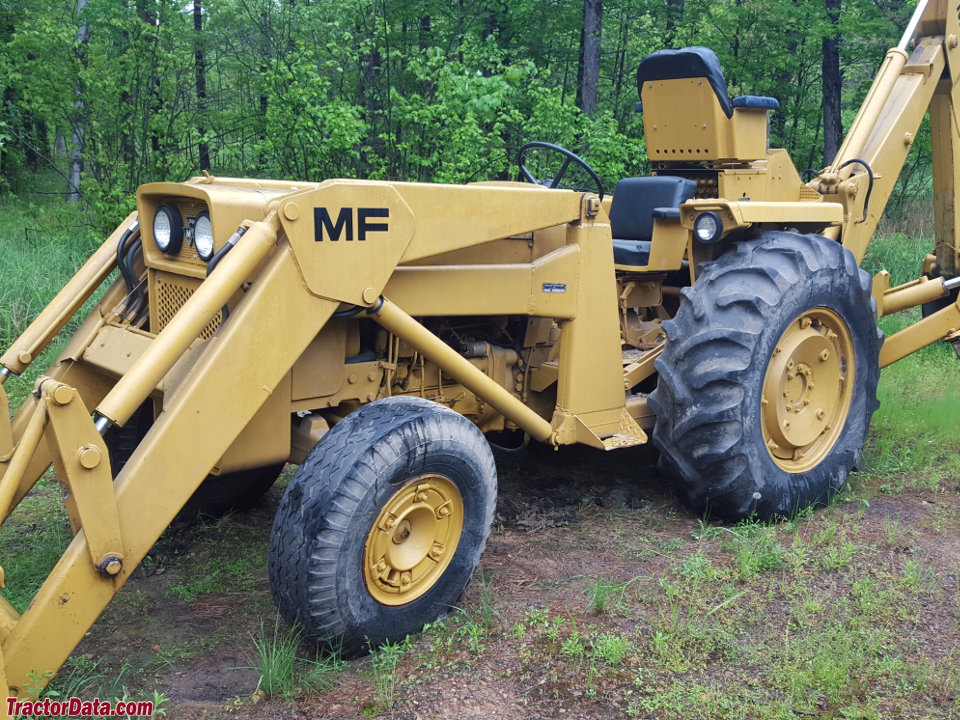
{"x":807,"y":389}
{"x":413,"y":540}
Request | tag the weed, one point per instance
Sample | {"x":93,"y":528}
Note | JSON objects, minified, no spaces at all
{"x":705,"y":530}
{"x":838,"y":555}
{"x":610,"y":648}
{"x":917,"y":578}
{"x":573,"y":646}
{"x":78,"y":676}
{"x":799,"y":554}
{"x":755,"y":548}
{"x":472,"y":631}
{"x":591,"y":691}
{"x":537,"y":617}
{"x":31,"y":542}
{"x":217,"y":569}
{"x":488,"y":613}
{"x":892,"y":531}
{"x":600,"y":591}
{"x":383,"y":662}
{"x":159,"y":701}
{"x":281,"y":672}
{"x":276,"y":659}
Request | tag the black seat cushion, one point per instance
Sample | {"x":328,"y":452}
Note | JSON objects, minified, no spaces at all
{"x":636,"y":201}
{"x":635,"y":253}
{"x":689,"y":62}
{"x":756,"y":102}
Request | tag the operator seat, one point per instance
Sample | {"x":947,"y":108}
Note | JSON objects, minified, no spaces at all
{"x":688,"y":114}
{"x":636,"y":202}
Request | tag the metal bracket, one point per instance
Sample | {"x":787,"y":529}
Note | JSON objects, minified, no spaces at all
{"x":82,"y":463}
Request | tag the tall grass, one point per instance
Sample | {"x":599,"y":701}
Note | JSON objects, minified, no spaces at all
{"x":283,"y":672}
{"x":41,"y":246}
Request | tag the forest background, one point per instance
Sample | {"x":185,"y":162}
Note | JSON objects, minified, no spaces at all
{"x":102,"y":95}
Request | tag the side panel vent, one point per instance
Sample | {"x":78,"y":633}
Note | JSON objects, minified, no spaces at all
{"x":169,"y":293}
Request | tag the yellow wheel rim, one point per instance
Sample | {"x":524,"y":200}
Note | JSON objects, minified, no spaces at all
{"x":807,"y":390}
{"x":413,"y":540}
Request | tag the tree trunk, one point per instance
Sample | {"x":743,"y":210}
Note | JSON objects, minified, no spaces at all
{"x":76,"y":153}
{"x":832,"y":84}
{"x":200,"y":71}
{"x":674,"y":18}
{"x":589,"y":75}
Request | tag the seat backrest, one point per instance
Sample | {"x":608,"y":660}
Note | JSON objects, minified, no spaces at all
{"x":688,"y":115}
{"x":689,"y":62}
{"x":635,"y":199}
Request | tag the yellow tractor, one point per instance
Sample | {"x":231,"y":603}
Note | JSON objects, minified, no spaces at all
{"x":374,"y":332}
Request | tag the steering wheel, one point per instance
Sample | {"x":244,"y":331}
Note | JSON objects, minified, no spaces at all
{"x":568,"y":157}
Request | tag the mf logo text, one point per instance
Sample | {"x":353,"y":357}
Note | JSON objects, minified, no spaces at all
{"x":326,"y":228}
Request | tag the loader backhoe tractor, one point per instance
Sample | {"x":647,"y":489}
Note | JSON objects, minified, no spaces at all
{"x":373,"y":332}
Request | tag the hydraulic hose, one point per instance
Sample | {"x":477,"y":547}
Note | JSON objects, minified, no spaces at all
{"x":866,"y":200}
{"x":129,"y":280}
{"x":218,"y":256}
{"x":137,"y":305}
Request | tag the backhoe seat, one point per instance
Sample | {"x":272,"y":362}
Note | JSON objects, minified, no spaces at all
{"x":688,"y":114}
{"x":636,"y":202}
{"x":689,"y":62}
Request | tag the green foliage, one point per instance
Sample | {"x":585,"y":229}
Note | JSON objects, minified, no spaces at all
{"x":419,"y":90}
{"x":384,"y":662}
{"x":755,"y":548}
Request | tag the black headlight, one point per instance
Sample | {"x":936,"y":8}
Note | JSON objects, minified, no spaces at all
{"x":168,"y":229}
{"x":708,"y":227}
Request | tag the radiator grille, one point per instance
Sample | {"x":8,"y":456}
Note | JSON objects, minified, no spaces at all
{"x":171,"y":294}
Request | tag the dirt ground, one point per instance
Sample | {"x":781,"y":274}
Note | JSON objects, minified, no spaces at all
{"x":704,"y":632}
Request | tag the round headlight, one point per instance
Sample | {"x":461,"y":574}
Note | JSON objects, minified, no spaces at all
{"x":708,"y":227}
{"x":168,"y":229}
{"x":203,"y":236}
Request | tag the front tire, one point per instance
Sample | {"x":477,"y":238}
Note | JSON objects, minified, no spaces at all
{"x":382,"y":526}
{"x":768,"y":380}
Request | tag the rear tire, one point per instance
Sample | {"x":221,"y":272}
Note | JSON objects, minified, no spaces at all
{"x":756,"y":411}
{"x":382,"y":526}
{"x":217,"y":495}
